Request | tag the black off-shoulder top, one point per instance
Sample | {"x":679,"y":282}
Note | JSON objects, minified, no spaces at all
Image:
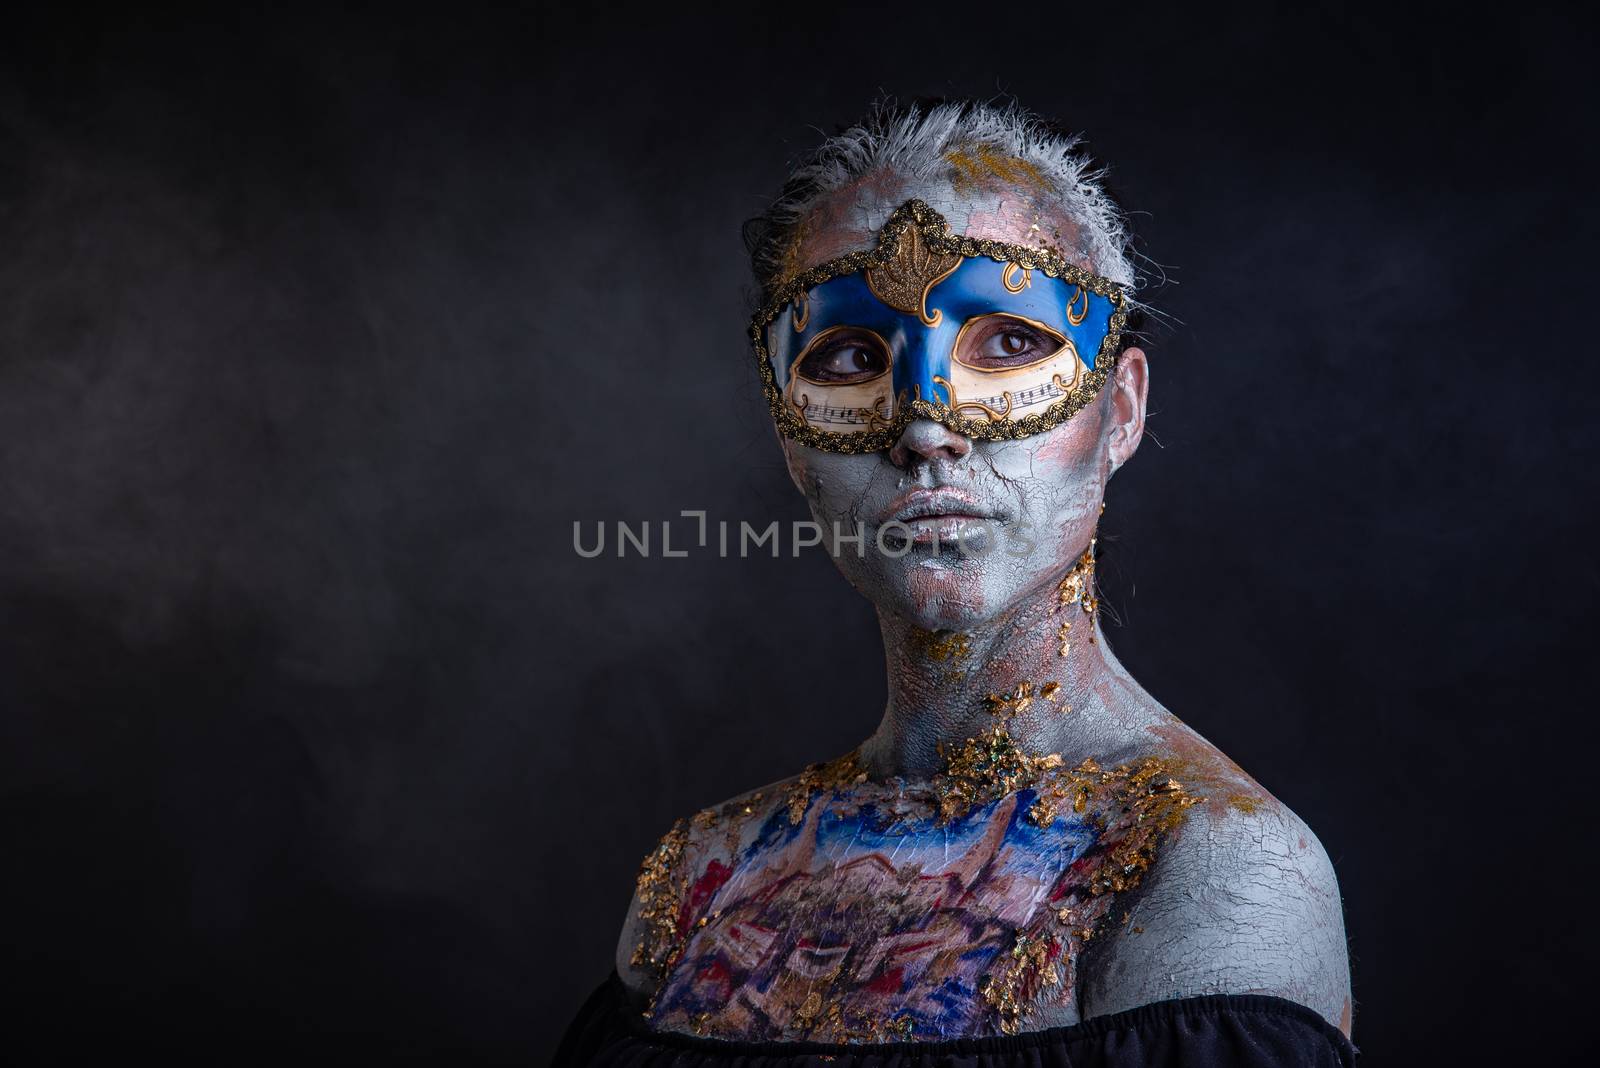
{"x":1215,"y":1031}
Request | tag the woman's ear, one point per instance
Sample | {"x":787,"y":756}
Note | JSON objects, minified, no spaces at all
{"x":1130,"y":386}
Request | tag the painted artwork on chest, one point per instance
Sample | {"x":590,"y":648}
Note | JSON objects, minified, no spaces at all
{"x":862,"y":912}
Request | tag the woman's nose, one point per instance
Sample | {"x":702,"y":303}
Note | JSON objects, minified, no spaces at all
{"x":925,"y":439}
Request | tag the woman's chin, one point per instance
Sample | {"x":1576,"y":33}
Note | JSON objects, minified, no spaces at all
{"x":936,"y":597}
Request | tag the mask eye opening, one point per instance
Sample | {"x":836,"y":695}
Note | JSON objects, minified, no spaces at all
{"x":973,"y":333}
{"x":832,"y":336}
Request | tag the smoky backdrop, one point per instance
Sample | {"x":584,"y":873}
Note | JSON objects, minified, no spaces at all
{"x":319,"y":330}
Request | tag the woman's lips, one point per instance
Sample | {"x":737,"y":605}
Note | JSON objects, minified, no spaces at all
{"x":947,"y":516}
{"x":933,"y":502}
{"x":968,"y":530}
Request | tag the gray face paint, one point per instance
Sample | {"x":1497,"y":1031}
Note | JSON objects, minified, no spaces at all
{"x":1030,"y":509}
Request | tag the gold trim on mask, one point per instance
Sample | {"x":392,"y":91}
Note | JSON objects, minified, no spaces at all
{"x":904,"y":281}
{"x":1077,"y":320}
{"x":1068,"y":388}
{"x":956,"y":405}
{"x":880,"y":420}
{"x":1010,"y":269}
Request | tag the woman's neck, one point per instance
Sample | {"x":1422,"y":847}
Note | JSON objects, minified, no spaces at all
{"x":1041,"y":672}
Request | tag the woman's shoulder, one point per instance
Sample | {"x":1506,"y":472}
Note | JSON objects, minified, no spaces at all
{"x":703,"y":842}
{"x":1242,"y":899}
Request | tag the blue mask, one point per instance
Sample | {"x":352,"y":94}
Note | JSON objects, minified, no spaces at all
{"x":995,"y":341}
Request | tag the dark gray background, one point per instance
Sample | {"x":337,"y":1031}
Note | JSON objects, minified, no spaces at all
{"x":318,"y":332}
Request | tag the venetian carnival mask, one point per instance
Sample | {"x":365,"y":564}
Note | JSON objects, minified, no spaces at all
{"x":993,"y":340}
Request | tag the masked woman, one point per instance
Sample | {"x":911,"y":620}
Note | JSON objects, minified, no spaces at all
{"x":1029,"y":859}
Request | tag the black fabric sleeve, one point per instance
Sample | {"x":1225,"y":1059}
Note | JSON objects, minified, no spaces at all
{"x":1215,"y":1031}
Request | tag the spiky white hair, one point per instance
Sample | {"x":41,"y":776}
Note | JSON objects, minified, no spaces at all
{"x":916,"y":143}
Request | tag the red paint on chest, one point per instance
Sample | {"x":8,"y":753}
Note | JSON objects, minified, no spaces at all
{"x":701,"y":893}
{"x":889,"y":982}
{"x":714,"y":980}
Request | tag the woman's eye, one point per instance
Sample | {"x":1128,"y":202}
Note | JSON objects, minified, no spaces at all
{"x":1007,"y":343}
{"x":843,"y":359}
{"x":1006,"y":347}
{"x":1013,"y":343}
{"x":848,"y":360}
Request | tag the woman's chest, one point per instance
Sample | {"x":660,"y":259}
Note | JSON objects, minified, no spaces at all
{"x":847,"y":926}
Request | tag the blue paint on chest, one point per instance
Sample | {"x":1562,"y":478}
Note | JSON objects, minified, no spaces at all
{"x":844,"y":835}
